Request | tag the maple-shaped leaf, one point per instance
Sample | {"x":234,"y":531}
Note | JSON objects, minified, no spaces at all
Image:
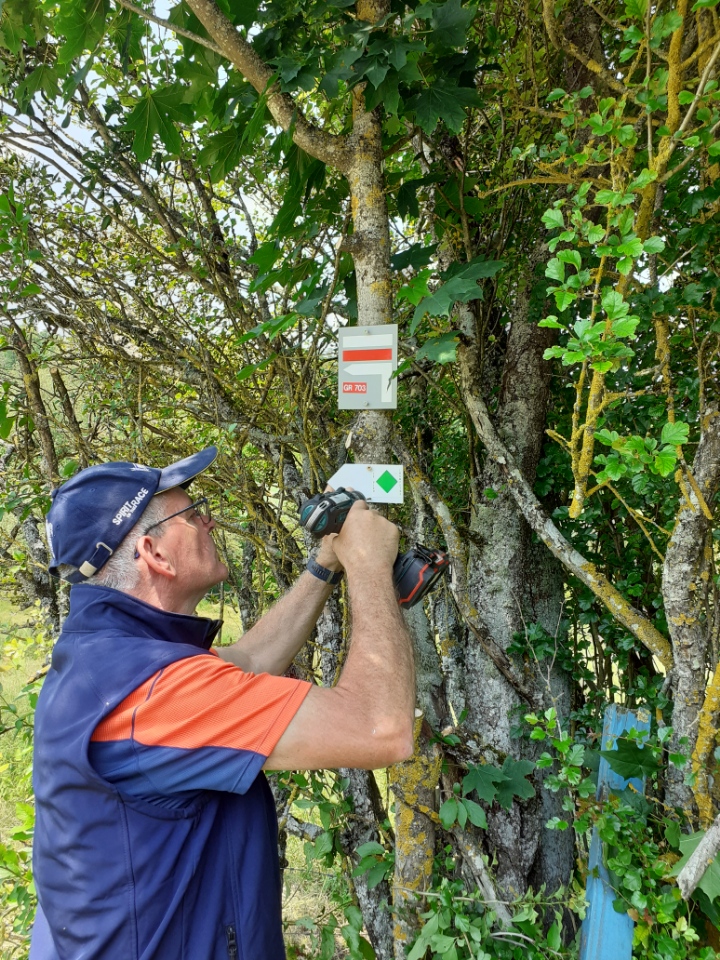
{"x":443,"y":100}
{"x":484,"y":780}
{"x":156,"y":113}
{"x":450,"y":23}
{"x":515,"y":784}
{"x":631,"y":760}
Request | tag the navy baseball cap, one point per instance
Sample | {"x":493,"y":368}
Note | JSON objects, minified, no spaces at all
{"x":91,"y":513}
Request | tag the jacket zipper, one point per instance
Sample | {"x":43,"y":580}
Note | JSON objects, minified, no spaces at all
{"x":232,"y":943}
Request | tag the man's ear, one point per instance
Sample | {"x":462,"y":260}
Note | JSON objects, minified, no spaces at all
{"x":152,"y":553}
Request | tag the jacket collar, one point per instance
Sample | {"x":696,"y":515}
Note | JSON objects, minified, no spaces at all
{"x":104,"y":610}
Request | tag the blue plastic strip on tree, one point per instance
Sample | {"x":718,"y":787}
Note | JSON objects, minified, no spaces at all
{"x":605,"y":933}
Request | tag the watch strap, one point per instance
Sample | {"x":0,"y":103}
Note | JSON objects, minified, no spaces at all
{"x":322,"y":573}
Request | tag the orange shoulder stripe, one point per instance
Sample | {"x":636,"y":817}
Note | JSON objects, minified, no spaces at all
{"x":204,"y":701}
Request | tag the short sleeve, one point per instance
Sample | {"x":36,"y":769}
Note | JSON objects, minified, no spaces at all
{"x":199,"y":724}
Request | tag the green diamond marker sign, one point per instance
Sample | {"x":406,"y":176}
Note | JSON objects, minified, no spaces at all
{"x":377,"y":482}
{"x":386,"y":481}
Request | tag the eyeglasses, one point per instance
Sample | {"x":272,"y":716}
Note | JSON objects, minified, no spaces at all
{"x":201,"y":508}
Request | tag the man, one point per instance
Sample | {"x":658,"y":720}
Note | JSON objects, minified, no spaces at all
{"x":156,"y":830}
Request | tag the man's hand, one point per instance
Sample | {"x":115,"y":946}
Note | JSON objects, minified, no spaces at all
{"x":366,"y":539}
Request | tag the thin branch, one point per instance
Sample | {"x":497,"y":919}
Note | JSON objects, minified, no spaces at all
{"x":173,"y":27}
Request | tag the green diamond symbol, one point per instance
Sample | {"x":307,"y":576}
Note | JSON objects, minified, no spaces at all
{"x":386,"y":481}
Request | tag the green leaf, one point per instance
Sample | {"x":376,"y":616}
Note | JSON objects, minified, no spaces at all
{"x":371,"y":848}
{"x":555,"y":270}
{"x":552,"y":322}
{"x":484,"y":778}
{"x":461,"y":288}
{"x":699,"y":4}
{"x":6,"y":422}
{"x":553,"y":219}
{"x":222,"y":153}
{"x":475,"y":813}
{"x":442,"y":349}
{"x":563,"y":299}
{"x":451,"y":23}
{"x":710,"y":882}
{"x":571,"y":256}
{"x":625,"y":327}
{"x":664,"y":461}
{"x":608,"y":437}
{"x":654,"y":245}
{"x":417,"y":255}
{"x":82,"y":23}
{"x":554,"y":940}
{"x":515,"y":785}
{"x":443,"y":100}
{"x":606,"y":197}
{"x":629,"y":759}
{"x":614,"y":304}
{"x":675,"y":434}
{"x":448,"y":812}
{"x":556,"y":94}
{"x":156,"y":113}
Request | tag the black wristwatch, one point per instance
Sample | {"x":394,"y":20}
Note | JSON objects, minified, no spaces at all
{"x":322,"y":573}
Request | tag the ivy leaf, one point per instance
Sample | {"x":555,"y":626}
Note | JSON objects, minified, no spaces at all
{"x":629,"y":759}
{"x":443,"y":100}
{"x":451,"y":22}
{"x":710,"y":883}
{"x":675,"y":434}
{"x":157,"y":113}
{"x":483,"y":779}
{"x":515,"y":784}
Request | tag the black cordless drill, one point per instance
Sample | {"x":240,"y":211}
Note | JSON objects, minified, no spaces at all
{"x":415,"y":572}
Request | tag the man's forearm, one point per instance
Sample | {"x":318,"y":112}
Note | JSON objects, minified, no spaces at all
{"x":272,"y":643}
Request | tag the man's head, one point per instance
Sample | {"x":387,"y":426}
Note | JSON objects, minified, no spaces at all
{"x":107,"y":523}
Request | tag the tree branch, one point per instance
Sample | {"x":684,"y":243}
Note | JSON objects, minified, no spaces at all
{"x":705,"y":852}
{"x":285,"y":111}
{"x":521,"y":491}
{"x":180,"y":31}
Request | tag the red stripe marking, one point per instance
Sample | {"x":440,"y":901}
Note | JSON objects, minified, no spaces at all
{"x":377,"y":354}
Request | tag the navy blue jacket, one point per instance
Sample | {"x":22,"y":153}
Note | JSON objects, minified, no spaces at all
{"x":121,"y":877}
